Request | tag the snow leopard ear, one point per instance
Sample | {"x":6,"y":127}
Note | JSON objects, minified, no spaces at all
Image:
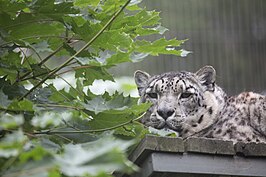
{"x":206,"y":76}
{"x":141,"y":79}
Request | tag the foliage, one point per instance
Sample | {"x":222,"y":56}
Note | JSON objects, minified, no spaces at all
{"x":46,"y":131}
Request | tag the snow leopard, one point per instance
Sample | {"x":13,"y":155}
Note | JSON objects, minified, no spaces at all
{"x":193,"y":105}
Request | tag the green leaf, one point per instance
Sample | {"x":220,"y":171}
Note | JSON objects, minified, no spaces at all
{"x":134,"y":8}
{"x":160,"y":46}
{"x":116,"y":117}
{"x":4,"y":101}
{"x":118,"y":102}
{"x":41,"y":95}
{"x":85,"y":3}
{"x":119,"y":57}
{"x":103,"y":121}
{"x":10,"y":65}
{"x":24,"y":105}
{"x":141,"y":24}
{"x":133,"y":130}
{"x":34,"y":30}
{"x":11,"y":7}
{"x":13,"y":91}
{"x":116,"y":40}
{"x":83,"y":30}
{"x":163,"y":132}
{"x":57,"y":96}
{"x":94,"y":158}
{"x":93,"y":73}
{"x":41,"y":47}
{"x":11,"y":144}
{"x":54,"y":173}
{"x":38,"y":71}
{"x":53,"y":9}
{"x":50,"y":119}
{"x":37,"y":153}
{"x":89,"y":61}
{"x":8,"y":121}
{"x":134,"y":2}
{"x":109,"y":7}
{"x":40,"y":168}
{"x":150,"y":30}
{"x":55,"y":44}
{"x":137,"y":20}
{"x":12,"y":60}
{"x":48,"y":145}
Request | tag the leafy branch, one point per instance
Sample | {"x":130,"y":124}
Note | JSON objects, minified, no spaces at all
{"x":78,"y":52}
{"x":110,"y":36}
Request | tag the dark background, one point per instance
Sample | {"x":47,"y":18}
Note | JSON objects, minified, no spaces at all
{"x":228,"y":34}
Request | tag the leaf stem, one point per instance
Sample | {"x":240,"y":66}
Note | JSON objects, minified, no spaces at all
{"x":22,"y":78}
{"x":59,"y":106}
{"x":44,"y":105}
{"x":75,"y":68}
{"x":78,"y":52}
{"x":61,"y":73}
{"x":50,"y":55}
{"x":50,"y":132}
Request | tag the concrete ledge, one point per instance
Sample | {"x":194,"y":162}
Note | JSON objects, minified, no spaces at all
{"x":154,"y":143}
{"x":206,"y":165}
{"x":198,"y":157}
{"x":251,"y":149}
{"x":209,"y":146}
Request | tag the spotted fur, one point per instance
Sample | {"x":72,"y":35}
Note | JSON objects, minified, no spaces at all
{"x":193,"y":105}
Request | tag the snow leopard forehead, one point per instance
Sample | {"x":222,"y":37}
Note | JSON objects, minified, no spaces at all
{"x":174,"y":81}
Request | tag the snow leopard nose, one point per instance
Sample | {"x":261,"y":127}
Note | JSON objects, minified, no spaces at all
{"x":166,"y":112}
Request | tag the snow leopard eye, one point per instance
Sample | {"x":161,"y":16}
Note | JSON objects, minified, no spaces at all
{"x":152,"y":95}
{"x":185,"y":95}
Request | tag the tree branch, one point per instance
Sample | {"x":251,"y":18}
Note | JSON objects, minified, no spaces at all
{"x":22,"y":78}
{"x":49,"y":56}
{"x":50,"y":132}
